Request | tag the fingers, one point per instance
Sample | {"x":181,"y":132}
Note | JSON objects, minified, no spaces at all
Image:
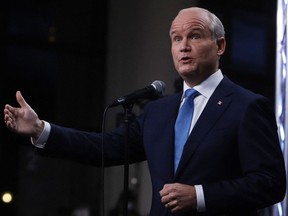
{"x":20,"y":99}
{"x":178,"y":197}
{"x":9,"y":115}
{"x":172,"y":206}
{"x":8,"y":112}
{"x":167,"y":196}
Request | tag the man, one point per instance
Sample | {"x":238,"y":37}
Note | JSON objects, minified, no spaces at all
{"x":231,"y":163}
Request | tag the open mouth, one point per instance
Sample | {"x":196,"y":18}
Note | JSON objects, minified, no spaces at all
{"x":185,"y":59}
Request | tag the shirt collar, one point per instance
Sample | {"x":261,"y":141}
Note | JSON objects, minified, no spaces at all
{"x":208,"y":86}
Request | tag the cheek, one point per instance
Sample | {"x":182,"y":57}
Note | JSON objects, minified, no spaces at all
{"x":174,"y":55}
{"x":209,"y":52}
{"x":173,"y":51}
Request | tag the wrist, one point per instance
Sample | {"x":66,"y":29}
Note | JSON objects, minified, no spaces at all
{"x":39,"y":127}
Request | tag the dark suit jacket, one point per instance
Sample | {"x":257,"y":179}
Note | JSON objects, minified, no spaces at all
{"x":233,"y":151}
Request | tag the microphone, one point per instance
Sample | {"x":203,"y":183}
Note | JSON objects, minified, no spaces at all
{"x":156,"y":88}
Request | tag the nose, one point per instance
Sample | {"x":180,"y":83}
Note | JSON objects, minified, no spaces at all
{"x":185,"y":47}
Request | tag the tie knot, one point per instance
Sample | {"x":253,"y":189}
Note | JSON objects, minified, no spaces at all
{"x":191,"y":93}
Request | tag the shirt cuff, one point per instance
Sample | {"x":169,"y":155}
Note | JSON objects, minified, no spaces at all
{"x":41,"y":141}
{"x":200,"y":198}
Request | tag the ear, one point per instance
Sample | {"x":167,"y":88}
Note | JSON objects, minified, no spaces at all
{"x":221,"y":42}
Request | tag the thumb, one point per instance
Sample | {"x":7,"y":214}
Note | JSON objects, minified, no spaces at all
{"x":20,"y":99}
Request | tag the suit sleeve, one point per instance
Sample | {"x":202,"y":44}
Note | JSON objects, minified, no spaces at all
{"x":262,"y":181}
{"x":91,"y":147}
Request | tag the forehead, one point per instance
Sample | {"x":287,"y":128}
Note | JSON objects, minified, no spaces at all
{"x":190,"y":19}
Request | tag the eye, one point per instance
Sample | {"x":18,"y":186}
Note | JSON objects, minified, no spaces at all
{"x":177,"y":38}
{"x":195,"y":36}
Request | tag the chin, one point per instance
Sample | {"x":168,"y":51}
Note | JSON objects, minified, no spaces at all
{"x":186,"y":72}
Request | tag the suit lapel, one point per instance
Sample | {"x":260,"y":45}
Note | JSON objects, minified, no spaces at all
{"x":165,"y":145}
{"x":217,"y":104}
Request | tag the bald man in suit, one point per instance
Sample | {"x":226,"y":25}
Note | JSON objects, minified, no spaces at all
{"x":231,"y":163}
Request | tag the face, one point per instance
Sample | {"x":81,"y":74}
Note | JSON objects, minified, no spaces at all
{"x":195,"y":53}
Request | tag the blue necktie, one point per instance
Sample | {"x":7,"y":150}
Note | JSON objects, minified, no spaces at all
{"x":183,"y":123}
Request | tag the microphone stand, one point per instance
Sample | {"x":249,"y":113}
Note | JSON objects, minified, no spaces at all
{"x":127,"y":120}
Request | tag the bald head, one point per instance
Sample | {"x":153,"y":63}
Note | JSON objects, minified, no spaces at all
{"x":210,"y":20}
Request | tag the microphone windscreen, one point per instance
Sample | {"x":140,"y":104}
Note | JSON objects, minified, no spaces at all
{"x":159,"y":86}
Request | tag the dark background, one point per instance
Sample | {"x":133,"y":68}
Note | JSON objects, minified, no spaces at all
{"x":54,"y":51}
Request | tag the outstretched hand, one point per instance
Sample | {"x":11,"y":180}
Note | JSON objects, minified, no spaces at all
{"x":23,"y":120}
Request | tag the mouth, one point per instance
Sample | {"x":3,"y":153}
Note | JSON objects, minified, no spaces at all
{"x":185,"y":59}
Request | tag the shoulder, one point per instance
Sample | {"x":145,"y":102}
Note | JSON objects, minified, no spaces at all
{"x":240,"y":92}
